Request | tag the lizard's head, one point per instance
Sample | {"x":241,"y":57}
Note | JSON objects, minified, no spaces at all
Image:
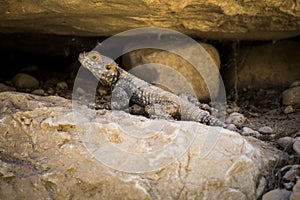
{"x":102,"y":67}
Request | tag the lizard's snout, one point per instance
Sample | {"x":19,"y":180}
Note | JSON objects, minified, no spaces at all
{"x":81,"y":57}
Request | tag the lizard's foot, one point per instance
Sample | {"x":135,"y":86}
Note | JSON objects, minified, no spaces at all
{"x":193,"y":100}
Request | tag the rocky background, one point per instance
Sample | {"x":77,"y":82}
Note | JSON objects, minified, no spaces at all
{"x":255,"y":45}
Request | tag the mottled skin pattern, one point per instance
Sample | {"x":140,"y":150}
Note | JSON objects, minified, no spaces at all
{"x":158,"y":103}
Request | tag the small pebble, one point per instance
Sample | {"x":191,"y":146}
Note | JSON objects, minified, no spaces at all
{"x":38,"y":92}
{"x":4,"y":88}
{"x":295,"y":84}
{"x":296,"y":145}
{"x":292,"y":174}
{"x":22,"y":80}
{"x":231,"y":127}
{"x":277,"y":194}
{"x":62,"y":85}
{"x":291,"y":96}
{"x":261,"y":186}
{"x":288,"y":110}
{"x":286,"y":142}
{"x":249,"y":132}
{"x":296,"y":191}
{"x":265,"y":130}
{"x":236,"y":118}
{"x":50,"y":91}
{"x":288,"y":185}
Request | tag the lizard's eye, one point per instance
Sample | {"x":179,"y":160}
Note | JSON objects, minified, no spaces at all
{"x":94,"y":56}
{"x":110,"y":67}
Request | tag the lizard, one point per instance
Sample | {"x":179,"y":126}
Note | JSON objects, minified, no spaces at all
{"x":158,"y":103}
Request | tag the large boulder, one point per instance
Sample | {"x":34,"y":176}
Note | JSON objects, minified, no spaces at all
{"x":176,"y":74}
{"x":271,"y":19}
{"x":46,"y":153}
{"x":270,"y":65}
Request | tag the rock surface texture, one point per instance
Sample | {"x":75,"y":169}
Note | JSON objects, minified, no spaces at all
{"x":270,"y":19}
{"x":44,"y":155}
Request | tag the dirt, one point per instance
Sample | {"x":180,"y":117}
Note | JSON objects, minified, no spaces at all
{"x":263,"y":108}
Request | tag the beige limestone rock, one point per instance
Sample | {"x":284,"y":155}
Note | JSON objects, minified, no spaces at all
{"x":291,"y":96}
{"x":286,"y":142}
{"x":5,"y":88}
{"x":296,"y":145}
{"x":289,"y":109}
{"x":236,"y":119}
{"x":271,"y":19}
{"x":272,"y":65}
{"x":175,"y":74}
{"x":22,"y":80}
{"x":44,"y":155}
{"x":277,"y":194}
{"x":296,"y":191}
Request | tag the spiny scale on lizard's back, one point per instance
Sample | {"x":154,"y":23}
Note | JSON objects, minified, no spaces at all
{"x":144,"y":91}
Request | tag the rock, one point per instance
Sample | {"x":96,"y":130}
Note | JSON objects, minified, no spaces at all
{"x":233,"y":108}
{"x":50,"y":91}
{"x":5,"y":88}
{"x":235,"y":20}
{"x":265,"y":130}
{"x":38,"y":92}
{"x":163,"y":67}
{"x":236,"y":118}
{"x":286,"y":143}
{"x":288,"y":110}
{"x":22,"y":81}
{"x":213,"y":52}
{"x":277,"y":194}
{"x":295,"y":84}
{"x":296,"y":145}
{"x":261,"y":186}
{"x":291,"y":96}
{"x":231,"y":127}
{"x":289,"y":185}
{"x":272,"y":65}
{"x":246,"y":131}
{"x":61,"y":152}
{"x":62,"y":85}
{"x":296,"y":191}
{"x":292,"y":174}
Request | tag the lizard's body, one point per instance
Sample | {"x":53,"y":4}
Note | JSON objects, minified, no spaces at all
{"x":158,"y":103}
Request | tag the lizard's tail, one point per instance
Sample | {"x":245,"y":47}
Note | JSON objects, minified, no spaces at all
{"x":194,"y":113}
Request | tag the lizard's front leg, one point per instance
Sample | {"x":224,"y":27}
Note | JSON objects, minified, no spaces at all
{"x":119,"y":99}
